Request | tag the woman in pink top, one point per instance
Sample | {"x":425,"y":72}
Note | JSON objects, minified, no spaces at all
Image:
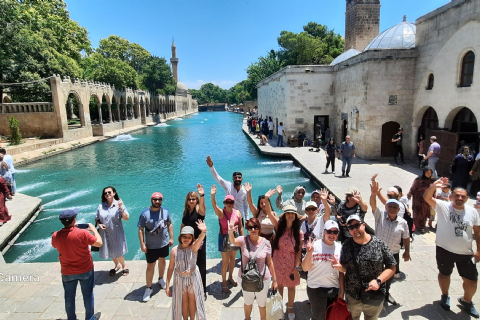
{"x":264,"y":256}
{"x":225,"y":215}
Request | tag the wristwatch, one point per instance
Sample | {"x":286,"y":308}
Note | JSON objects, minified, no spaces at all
{"x":379,"y":281}
{"x":202,"y":195}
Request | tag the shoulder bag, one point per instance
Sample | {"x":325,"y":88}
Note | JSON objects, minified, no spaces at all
{"x":226,"y":244}
{"x":371,"y":298}
{"x":252,"y":280}
{"x":274,"y":305}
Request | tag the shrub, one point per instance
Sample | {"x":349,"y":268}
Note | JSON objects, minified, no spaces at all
{"x":15,"y":135}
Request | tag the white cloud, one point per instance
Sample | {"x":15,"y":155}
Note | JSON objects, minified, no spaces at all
{"x":225,"y":84}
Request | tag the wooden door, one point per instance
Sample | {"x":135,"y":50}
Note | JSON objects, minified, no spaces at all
{"x":389,"y":129}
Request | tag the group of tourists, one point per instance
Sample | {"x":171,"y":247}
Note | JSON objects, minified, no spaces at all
{"x":325,"y":242}
{"x":7,"y":184}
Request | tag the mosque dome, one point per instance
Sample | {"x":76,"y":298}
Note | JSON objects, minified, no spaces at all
{"x":345,"y":56}
{"x":181,"y":86}
{"x":400,"y":36}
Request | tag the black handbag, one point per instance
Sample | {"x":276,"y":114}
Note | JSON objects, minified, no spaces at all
{"x":372,"y":297}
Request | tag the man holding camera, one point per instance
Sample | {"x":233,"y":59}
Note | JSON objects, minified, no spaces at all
{"x":72,"y":244}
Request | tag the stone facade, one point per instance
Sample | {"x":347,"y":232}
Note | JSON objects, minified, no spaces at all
{"x":365,"y":94}
{"x":362,"y":23}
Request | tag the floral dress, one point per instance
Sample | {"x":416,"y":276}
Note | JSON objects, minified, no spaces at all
{"x":284,"y":260}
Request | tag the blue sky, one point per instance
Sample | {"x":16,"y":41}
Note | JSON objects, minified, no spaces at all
{"x":217,"y":39}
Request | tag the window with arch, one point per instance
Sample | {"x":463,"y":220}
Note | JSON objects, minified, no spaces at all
{"x":431,"y":79}
{"x":468,"y":62}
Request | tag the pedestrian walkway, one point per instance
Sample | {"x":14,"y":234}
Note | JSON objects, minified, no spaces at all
{"x":118,"y":297}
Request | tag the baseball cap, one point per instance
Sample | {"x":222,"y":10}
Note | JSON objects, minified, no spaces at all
{"x":187,"y":230}
{"x":69,"y":214}
{"x":392,"y":189}
{"x":315,"y":191}
{"x":157,"y":195}
{"x":354,"y":217}
{"x":311,"y":204}
{"x":229,"y":197}
{"x":393,"y":201}
{"x":330,"y":224}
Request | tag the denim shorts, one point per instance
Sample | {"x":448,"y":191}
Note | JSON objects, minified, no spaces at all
{"x":220,"y":241}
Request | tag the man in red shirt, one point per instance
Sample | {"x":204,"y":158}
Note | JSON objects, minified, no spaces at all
{"x":72,"y":244}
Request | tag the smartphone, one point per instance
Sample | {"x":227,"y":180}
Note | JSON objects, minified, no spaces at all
{"x":82,"y":226}
{"x":292,"y":277}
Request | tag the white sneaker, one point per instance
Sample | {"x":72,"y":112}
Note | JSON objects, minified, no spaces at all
{"x":162,"y":283}
{"x":146,"y":295}
{"x":396,"y":275}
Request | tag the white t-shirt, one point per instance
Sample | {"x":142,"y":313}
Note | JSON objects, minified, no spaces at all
{"x":455,"y":227}
{"x":280,"y":130}
{"x":322,"y":274}
{"x":270,"y":125}
{"x":319,"y":228}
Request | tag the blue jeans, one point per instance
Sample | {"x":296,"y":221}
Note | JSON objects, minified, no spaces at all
{"x":270,"y":134}
{"x":87,"y":282}
{"x":346,"y":161}
{"x":280,"y":140}
{"x":432,"y":163}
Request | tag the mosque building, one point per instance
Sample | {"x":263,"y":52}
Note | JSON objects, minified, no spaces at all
{"x":420,"y":76}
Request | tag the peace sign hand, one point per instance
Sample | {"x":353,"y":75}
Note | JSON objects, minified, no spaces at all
{"x":310,"y":245}
{"x":335,"y":264}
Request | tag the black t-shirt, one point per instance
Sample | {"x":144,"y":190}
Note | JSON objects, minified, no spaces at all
{"x":191,"y":219}
{"x":372,"y":259}
{"x":396,"y":136}
{"x":331,"y":150}
{"x":345,"y":212}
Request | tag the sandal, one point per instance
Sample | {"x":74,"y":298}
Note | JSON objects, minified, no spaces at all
{"x":233,"y":282}
{"x":112,"y":272}
{"x":225,"y":289}
{"x":125,"y":272}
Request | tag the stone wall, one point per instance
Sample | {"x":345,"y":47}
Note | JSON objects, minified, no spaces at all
{"x":371,"y":89}
{"x":76,"y":134}
{"x":32,"y":124}
{"x":296,"y":94}
{"x":444,"y":36}
{"x":103,"y":129}
{"x":362,"y":22}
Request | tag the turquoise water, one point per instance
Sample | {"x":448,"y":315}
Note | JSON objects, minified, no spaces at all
{"x":169,"y":159}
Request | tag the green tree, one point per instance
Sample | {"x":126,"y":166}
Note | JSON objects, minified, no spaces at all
{"x":315,"y":45}
{"x":209,"y":93}
{"x":15,"y":135}
{"x":157,"y":76}
{"x":120,"y":48}
{"x":110,"y":70}
{"x":38,"y":39}
{"x":261,"y":69}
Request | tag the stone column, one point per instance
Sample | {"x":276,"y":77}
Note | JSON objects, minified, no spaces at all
{"x":110,"y":111}
{"x":99,"y":106}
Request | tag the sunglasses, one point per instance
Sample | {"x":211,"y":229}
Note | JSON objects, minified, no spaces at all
{"x":157,"y":199}
{"x":310,"y":209}
{"x":332,"y":232}
{"x":192,"y":199}
{"x":354,"y":226}
{"x":107,"y":192}
{"x":252,"y":228}
{"x":229,"y":202}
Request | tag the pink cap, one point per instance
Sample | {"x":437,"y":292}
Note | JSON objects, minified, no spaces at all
{"x":229,"y":197}
{"x":157,"y":195}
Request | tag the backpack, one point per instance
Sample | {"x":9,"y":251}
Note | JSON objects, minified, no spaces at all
{"x":338,"y":310}
{"x":252,"y":280}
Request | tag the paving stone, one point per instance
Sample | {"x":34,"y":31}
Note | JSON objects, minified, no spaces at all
{"x":108,"y":308}
{"x":56,"y":310}
{"x":119,"y":291}
{"x":37,"y":304}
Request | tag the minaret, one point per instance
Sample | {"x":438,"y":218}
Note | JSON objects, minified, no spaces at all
{"x":174,"y":61}
{"x":362,"y":23}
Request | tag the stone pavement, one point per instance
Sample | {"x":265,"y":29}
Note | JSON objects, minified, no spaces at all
{"x":118,"y":297}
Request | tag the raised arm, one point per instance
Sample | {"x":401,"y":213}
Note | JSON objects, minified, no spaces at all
{"x":279,"y":200}
{"x":429,"y":195}
{"x":326,"y":205}
{"x":203,"y":228}
{"x":218,"y":210}
{"x":201,"y":205}
{"x":380,"y":196}
{"x":225,"y":184}
{"x":307,"y":262}
{"x":373,"y":196}
{"x":123,"y":210}
{"x":268,"y":210}
{"x":231,"y":228}
{"x":253,"y":208}
{"x":358,"y":199}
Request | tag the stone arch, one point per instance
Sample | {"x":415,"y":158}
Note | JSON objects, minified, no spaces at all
{"x":464,"y":121}
{"x":428,"y":121}
{"x":94,"y":105}
{"x":460,"y":58}
{"x":450,"y":116}
{"x":74,"y":111}
{"x":147,"y":106}
{"x":80,"y":106}
{"x":388,"y":148}
{"x":129,"y":107}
